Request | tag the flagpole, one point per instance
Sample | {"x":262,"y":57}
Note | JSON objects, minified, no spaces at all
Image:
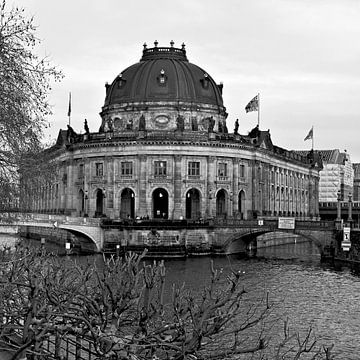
{"x":312,"y":139}
{"x":258,"y":109}
{"x":69,"y":110}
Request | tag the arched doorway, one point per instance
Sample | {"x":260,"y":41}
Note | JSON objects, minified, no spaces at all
{"x":193,"y":204}
{"x":221,"y":209}
{"x":127,"y":204}
{"x":160,"y":199}
{"x":81,"y":202}
{"x":241,"y":204}
{"x":99,"y":203}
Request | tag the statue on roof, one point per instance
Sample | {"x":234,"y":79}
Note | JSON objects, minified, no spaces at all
{"x":86,"y":128}
{"x":180,"y":123}
{"x":236,"y":129}
{"x":142,"y":123}
{"x":194,"y":124}
{"x":129,"y":125}
{"x":211,"y":124}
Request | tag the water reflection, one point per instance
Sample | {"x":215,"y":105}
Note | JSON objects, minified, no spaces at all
{"x":300,"y":250}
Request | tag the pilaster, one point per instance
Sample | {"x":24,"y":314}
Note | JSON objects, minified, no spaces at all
{"x":178,"y":211}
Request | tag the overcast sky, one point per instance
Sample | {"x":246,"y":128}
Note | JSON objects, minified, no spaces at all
{"x":302,"y":56}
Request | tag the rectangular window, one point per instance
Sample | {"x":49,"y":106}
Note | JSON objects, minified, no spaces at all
{"x":194,"y":168}
{"x":99,"y":169}
{"x":242,"y":170}
{"x":126,"y":168}
{"x":160,"y":168}
{"x":222,"y":169}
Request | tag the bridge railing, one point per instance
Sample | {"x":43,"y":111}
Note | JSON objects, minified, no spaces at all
{"x":48,"y":218}
{"x":273,"y":223}
{"x":309,"y":224}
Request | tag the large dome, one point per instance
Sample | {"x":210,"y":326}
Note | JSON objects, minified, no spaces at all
{"x":164,"y":91}
{"x":164,"y":74}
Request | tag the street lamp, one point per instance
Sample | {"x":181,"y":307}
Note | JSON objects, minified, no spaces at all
{"x":350,"y":208}
{"x":86,"y":197}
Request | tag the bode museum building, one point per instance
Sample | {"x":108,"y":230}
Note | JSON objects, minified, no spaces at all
{"x":163,"y":150}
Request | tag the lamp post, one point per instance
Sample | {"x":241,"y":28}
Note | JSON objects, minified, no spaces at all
{"x":86,"y":197}
{"x":350,"y":208}
{"x":117,"y":250}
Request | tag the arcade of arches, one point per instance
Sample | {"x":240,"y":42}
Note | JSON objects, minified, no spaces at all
{"x":160,"y":204}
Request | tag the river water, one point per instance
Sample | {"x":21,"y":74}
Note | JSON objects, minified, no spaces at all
{"x":301,"y":289}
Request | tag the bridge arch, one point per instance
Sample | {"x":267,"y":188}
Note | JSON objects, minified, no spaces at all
{"x":90,"y":239}
{"x":239,"y":242}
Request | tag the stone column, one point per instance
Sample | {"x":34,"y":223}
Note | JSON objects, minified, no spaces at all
{"x":70,"y":185}
{"x":143,"y":171}
{"x":235,"y":186}
{"x":178,"y":211}
{"x":87,"y":188}
{"x":211,"y":210}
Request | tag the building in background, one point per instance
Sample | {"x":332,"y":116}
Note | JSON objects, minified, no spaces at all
{"x":336,"y":184}
{"x":163,"y":151}
{"x":336,"y":177}
{"x":356,"y":190}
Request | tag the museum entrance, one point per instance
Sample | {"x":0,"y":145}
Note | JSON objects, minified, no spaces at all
{"x":160,"y":199}
{"x":193,"y":204}
{"x":99,"y":203}
{"x":221,"y":204}
{"x":127,"y":204}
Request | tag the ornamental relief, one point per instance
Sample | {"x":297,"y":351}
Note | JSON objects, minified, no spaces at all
{"x":161,"y":121}
{"x":193,"y":182}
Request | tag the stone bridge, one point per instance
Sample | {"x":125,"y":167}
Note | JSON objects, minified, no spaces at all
{"x":235,"y":236}
{"x":213,"y":236}
{"x":85,"y":233}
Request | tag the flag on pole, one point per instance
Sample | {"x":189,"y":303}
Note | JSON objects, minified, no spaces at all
{"x":310,"y":134}
{"x":253,"y":105}
{"x":69,"y":110}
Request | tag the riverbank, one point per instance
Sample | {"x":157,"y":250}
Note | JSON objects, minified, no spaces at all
{"x":339,"y":262}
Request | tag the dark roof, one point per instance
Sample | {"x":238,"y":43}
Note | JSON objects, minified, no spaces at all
{"x":333,"y":156}
{"x":164,"y":74}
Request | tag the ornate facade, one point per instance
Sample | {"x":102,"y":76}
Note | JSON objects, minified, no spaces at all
{"x":163,"y":150}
